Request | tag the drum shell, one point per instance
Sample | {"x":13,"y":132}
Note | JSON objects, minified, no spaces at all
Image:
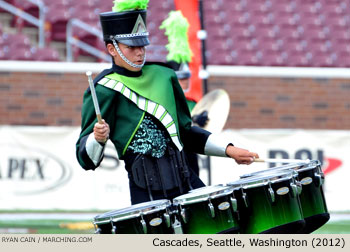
{"x":312,"y":196}
{"x":312,"y":199}
{"x":134,"y":225}
{"x":264,"y":216}
{"x":153,"y":217}
{"x":313,"y":203}
{"x":200,"y":220}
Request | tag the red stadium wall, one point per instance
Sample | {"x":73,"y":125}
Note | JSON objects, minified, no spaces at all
{"x":31,"y":98}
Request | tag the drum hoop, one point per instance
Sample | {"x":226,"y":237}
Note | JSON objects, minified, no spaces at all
{"x":195,"y":197}
{"x":310,"y":166}
{"x":263,"y":173}
{"x":162,"y":205}
{"x":297,"y":167}
{"x":256,"y":181}
{"x":116,"y":219}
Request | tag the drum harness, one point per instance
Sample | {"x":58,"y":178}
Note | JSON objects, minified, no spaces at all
{"x":161,"y":174}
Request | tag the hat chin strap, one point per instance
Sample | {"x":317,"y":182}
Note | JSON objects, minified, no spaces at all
{"x":125,"y":59}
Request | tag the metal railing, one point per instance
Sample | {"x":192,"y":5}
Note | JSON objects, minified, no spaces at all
{"x":39,"y":22}
{"x":71,"y":40}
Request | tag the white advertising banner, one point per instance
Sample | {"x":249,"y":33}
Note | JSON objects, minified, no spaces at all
{"x":39,"y":171}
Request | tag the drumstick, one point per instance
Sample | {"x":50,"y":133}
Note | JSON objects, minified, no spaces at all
{"x":276,"y":160}
{"x":94,"y":97}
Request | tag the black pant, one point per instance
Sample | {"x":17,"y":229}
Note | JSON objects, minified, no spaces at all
{"x":139,"y":195}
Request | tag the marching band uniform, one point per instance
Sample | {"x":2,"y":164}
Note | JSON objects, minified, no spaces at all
{"x":149,"y":120}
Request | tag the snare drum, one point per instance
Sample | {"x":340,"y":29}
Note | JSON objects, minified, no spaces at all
{"x":268,"y":204}
{"x":313,"y":202}
{"x":207,"y":210}
{"x":152,"y":217}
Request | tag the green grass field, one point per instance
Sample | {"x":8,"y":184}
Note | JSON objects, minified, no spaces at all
{"x":83,"y":226}
{"x":338,"y":227}
{"x":46,"y":227}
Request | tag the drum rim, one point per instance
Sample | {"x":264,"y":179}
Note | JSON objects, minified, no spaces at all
{"x":196,"y":197}
{"x":300,"y":167}
{"x":257,"y":181}
{"x":203,"y":187}
{"x":135,"y":211}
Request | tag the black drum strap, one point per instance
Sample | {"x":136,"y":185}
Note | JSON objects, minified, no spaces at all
{"x":186,"y":172}
{"x":161,"y":176}
{"x":147,"y":179}
{"x":175,"y":167}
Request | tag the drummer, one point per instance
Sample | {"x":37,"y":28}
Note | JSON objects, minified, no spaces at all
{"x":176,"y":28}
{"x":145,"y":115}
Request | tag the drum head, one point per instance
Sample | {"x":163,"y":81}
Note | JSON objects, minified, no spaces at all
{"x":263,"y":179}
{"x":212,"y":187}
{"x":133,"y":211}
{"x":202,"y":194}
{"x":298,"y":167}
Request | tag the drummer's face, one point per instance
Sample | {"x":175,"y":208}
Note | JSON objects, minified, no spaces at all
{"x":135,"y":54}
{"x":184,"y":83}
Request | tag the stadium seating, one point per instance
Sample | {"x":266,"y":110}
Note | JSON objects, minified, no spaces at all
{"x":45,"y":54}
{"x":16,"y":40}
{"x":18,"y":47}
{"x":240,"y":32}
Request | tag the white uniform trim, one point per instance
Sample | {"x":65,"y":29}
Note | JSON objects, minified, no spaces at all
{"x":119,"y":87}
{"x":126,"y":93}
{"x":172,"y":129}
{"x":142,"y":102}
{"x":216,"y":145}
{"x":110,"y":84}
{"x":94,"y":149}
{"x":103,"y":81}
{"x":159,"y":112}
{"x":167,"y":119}
{"x":151,"y":107}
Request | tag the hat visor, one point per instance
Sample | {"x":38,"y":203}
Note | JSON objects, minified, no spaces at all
{"x":136,"y":41}
{"x":183,"y":74}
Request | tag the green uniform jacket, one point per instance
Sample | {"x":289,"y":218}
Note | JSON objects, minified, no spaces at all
{"x":120,"y":97}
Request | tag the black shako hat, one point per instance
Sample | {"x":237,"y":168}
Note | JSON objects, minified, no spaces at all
{"x":128,"y":27}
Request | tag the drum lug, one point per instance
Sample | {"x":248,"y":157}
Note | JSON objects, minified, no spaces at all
{"x":319,"y":179}
{"x":114,"y":228}
{"x":211,"y":209}
{"x":183,"y":215}
{"x":167,"y":219}
{"x":299,"y":187}
{"x":294,"y":189}
{"x":245,"y":198}
{"x":97,"y":229}
{"x":234,"y":204}
{"x":272,"y":194}
{"x":144,"y":225}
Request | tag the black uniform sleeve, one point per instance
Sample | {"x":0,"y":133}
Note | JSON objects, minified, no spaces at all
{"x":106,"y":101}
